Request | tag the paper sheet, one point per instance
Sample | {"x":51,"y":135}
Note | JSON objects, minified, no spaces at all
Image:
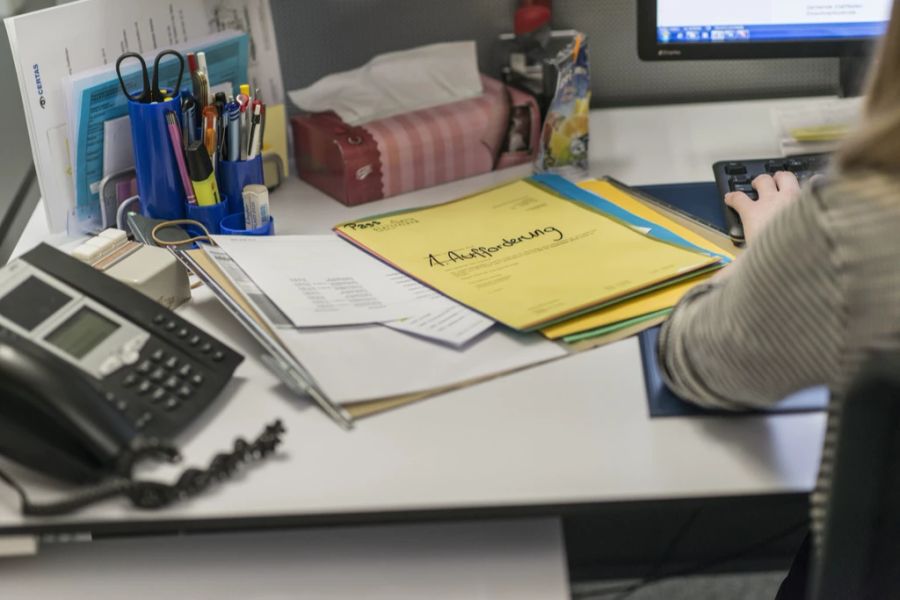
{"x":523,"y":255}
{"x":321,"y":280}
{"x":354,"y":364}
{"x":47,"y":47}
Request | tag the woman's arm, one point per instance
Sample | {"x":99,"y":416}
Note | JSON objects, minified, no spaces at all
{"x":773,"y":326}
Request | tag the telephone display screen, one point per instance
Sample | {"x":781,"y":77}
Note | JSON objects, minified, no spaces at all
{"x":31,"y":302}
{"x":81,"y":333}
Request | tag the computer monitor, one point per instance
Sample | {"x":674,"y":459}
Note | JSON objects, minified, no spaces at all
{"x":724,"y":29}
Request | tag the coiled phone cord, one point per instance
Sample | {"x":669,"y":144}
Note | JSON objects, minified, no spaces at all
{"x":154,"y":494}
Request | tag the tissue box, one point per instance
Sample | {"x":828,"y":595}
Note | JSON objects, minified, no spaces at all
{"x":419,"y":149}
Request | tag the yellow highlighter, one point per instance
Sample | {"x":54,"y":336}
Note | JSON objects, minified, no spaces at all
{"x":202,"y":177}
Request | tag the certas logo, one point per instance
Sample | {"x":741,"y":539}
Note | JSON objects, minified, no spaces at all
{"x":39,"y":85}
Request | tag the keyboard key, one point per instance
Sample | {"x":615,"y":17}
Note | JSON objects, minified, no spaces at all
{"x":742,"y":180}
{"x":185,"y":391}
{"x":158,"y":375}
{"x":735,"y":168}
{"x":130,"y":379}
{"x":197,"y":379}
{"x":171,"y":383}
{"x":218,"y":355}
{"x":185,"y":370}
{"x":795,"y":165}
{"x":157,"y":395}
{"x":145,"y":367}
{"x":773,"y":166}
{"x":171,"y":362}
{"x":157,"y":355}
{"x":144,"y":387}
{"x":171,"y":325}
{"x":194,"y":340}
{"x":743,"y":187}
{"x":206,"y":347}
{"x":171,"y":403}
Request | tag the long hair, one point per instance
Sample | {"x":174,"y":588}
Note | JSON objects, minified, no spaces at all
{"x":876,"y":145}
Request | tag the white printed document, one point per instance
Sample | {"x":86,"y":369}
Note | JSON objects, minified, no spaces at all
{"x":321,"y":280}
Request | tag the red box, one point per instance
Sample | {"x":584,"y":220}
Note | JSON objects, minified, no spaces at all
{"x":415,"y":150}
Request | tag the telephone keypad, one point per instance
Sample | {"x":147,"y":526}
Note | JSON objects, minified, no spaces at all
{"x":165,"y":381}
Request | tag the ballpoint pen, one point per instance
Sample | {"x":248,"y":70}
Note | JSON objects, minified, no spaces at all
{"x":244,"y":102}
{"x":255,"y":133}
{"x":178,"y":149}
{"x":233,"y":131}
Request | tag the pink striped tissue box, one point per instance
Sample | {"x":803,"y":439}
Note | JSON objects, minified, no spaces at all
{"x":414,"y":150}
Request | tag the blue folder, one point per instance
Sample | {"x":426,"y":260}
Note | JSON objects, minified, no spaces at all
{"x":701,"y":201}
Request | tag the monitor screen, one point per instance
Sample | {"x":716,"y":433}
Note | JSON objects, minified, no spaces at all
{"x":741,"y":21}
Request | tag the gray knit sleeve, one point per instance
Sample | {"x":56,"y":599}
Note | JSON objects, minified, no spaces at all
{"x":772,"y":327}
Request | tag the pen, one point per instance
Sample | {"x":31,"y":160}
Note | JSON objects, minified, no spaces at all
{"x":255,"y":133}
{"x":220,"y":102}
{"x":244,"y":102}
{"x":178,"y":148}
{"x":233,"y":130}
{"x":210,"y":139}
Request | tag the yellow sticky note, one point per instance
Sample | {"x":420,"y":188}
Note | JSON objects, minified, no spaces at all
{"x":523,"y":255}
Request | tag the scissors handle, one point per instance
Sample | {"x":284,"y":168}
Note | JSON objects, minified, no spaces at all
{"x":145,"y":95}
{"x":158,"y":94}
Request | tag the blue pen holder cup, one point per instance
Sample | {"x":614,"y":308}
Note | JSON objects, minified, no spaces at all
{"x":158,"y":179}
{"x":211,"y":216}
{"x":233,"y":176}
{"x":235,"y":225}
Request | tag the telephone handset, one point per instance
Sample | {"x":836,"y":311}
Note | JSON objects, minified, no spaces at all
{"x":94,"y":376}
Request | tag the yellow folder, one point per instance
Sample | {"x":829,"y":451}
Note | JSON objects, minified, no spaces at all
{"x":524,"y":255}
{"x":648,"y":303}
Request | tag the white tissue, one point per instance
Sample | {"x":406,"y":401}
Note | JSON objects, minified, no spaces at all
{"x":396,"y":83}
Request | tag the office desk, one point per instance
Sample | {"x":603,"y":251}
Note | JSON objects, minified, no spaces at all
{"x":569,"y":435}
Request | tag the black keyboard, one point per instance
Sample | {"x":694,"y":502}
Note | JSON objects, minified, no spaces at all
{"x":737,"y":175}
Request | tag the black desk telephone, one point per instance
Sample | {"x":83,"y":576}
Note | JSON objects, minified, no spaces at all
{"x":94,"y":376}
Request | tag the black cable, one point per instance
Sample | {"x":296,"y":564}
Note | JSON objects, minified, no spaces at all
{"x":626,"y":590}
{"x":154,"y":494}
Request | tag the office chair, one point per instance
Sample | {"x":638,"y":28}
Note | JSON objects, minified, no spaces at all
{"x":856,"y":512}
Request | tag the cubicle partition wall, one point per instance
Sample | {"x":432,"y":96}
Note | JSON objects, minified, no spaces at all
{"x":318,"y":38}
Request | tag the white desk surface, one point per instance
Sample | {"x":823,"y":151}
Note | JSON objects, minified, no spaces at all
{"x":570,"y":432}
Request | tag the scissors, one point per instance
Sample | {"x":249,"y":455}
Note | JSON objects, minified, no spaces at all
{"x":151,"y":91}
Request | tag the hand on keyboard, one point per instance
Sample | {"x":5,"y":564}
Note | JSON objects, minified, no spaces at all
{"x":740,"y":175}
{"x":773,"y":193}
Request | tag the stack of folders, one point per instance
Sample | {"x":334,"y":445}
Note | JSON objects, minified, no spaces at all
{"x":433,"y":299}
{"x":593,"y":261}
